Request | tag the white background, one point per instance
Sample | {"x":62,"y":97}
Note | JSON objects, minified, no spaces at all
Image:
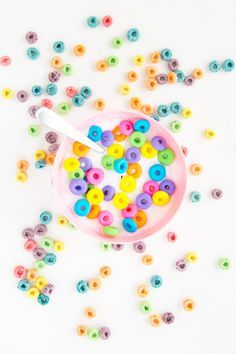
{"x":197,"y":32}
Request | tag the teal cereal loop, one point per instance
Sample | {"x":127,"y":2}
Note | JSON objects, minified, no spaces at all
{"x":33,"y":53}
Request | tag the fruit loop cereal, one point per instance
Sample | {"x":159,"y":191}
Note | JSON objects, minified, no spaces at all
{"x":131,"y":189}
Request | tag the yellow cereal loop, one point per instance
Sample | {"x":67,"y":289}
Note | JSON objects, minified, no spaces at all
{"x":58,"y":246}
{"x":191,"y":257}
{"x":116,"y":150}
{"x":62,"y":220}
{"x":41,"y":282}
{"x":95,"y":196}
{"x":33,"y":292}
{"x":186,"y":113}
{"x":40,"y":155}
{"x":71,"y":164}
{"x":128,"y":184}
{"x":120,"y":200}
{"x":7,"y":93}
{"x":155,"y":320}
{"x":139,"y":60}
{"x":209,"y":133}
{"x":189,"y":305}
{"x":125,"y":89}
{"x":148,"y":151}
{"x":160,"y":198}
{"x":21,"y":176}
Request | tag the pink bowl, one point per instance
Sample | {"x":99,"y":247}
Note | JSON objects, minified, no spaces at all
{"x":160,"y":215}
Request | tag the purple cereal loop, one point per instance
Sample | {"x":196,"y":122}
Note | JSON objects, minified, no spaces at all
{"x":53,"y":148}
{"x":54,"y":76}
{"x":132,"y":154}
{"x":173,"y":64}
{"x":105,"y":333}
{"x":168,"y":317}
{"x":85,"y":163}
{"x":217,"y":193}
{"x":33,"y":109}
{"x":48,"y":289}
{"x":28,"y":233}
{"x":139,"y":247}
{"x":78,"y":186}
{"x":181,"y":265}
{"x":31,"y":37}
{"x":158,"y":143}
{"x":117,"y":246}
{"x":39,"y":253}
{"x":109,"y":192}
{"x":167,"y":186}
{"x":22,"y":96}
{"x":189,"y":80}
{"x":143,"y":200}
{"x":161,"y":79}
{"x":51,"y":137}
{"x":107,"y":138}
{"x":40,"y":230}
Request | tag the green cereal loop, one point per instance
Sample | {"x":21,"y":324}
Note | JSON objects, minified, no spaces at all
{"x":34,"y":130}
{"x":110,"y":231}
{"x":175,"y":126}
{"x":166,"y":156}
{"x":112,"y":60}
{"x":108,"y":162}
{"x":93,"y":333}
{"x":145,"y":307}
{"x":47,"y":243}
{"x":224,"y":263}
{"x":137,"y":139}
{"x":117,"y":42}
{"x":67,"y":69}
{"x":64,"y":107}
{"x":76,"y":174}
{"x":40,"y":265}
{"x":105,"y":246}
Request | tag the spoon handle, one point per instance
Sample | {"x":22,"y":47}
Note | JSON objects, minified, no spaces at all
{"x":54,"y":121}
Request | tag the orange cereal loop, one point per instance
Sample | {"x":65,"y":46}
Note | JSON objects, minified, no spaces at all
{"x":89,"y":312}
{"x":155,"y":57}
{"x":102,"y":65}
{"x":132,"y":76}
{"x":189,"y":305}
{"x":198,"y":73}
{"x":95,"y":284}
{"x":135,"y":103}
{"x":99,"y":104}
{"x":147,"y":259}
{"x":79,"y":50}
{"x":82,"y":330}
{"x":80,"y":149}
{"x":143,"y":290}
{"x":118,"y":136}
{"x":22,"y":165}
{"x":50,"y":159}
{"x":56,"y":62}
{"x":155,"y":320}
{"x":32,"y":274}
{"x":147,"y":109}
{"x":196,"y":169}
{"x":151,"y":71}
{"x":105,"y":272}
{"x":140,"y":218}
{"x":171,"y":77}
{"x":151,"y":84}
{"x":94,"y":211}
{"x":134,"y":170}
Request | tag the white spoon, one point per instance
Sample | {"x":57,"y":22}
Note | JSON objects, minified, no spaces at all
{"x":54,"y":121}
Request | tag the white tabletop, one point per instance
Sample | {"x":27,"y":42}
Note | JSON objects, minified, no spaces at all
{"x":197,"y":32}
